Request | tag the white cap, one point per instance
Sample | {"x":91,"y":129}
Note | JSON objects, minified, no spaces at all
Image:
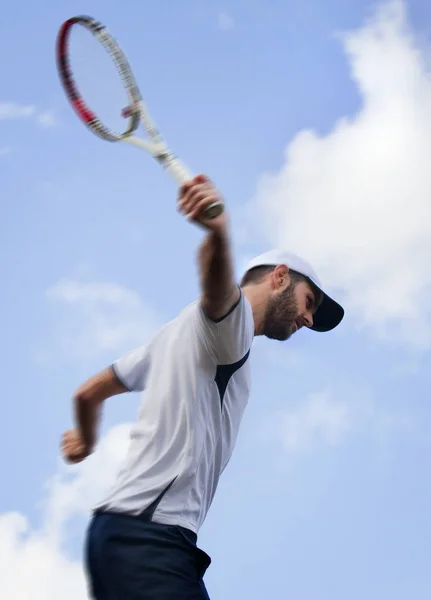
{"x":329,"y":313}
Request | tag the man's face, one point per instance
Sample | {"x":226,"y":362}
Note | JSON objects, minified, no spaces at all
{"x":290,"y":307}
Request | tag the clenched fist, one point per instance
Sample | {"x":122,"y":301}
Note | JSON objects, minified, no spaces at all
{"x":198,"y":195}
{"x":73,"y":448}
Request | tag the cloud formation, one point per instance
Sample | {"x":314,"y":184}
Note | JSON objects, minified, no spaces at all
{"x":47,"y":119}
{"x":318,"y":421}
{"x":12,"y":111}
{"x":356,"y":202}
{"x":94,"y":318}
{"x":39,"y":552}
{"x":323,"y":420}
{"x":225,"y":21}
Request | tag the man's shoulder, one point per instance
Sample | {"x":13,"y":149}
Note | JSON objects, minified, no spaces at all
{"x":193,"y":320}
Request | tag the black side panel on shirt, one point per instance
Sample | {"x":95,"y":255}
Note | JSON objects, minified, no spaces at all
{"x":225,"y":372}
{"x":150,"y":510}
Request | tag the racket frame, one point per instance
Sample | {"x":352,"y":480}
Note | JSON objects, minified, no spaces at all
{"x":136,"y":113}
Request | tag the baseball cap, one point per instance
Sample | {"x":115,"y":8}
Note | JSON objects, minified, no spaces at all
{"x":329,"y":313}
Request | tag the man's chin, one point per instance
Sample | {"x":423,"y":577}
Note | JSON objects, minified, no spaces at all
{"x":281,"y":336}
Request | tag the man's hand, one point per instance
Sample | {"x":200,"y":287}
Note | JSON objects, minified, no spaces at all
{"x":197,"y":195}
{"x":73,"y":448}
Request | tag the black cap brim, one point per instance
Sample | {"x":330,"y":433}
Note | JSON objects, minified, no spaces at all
{"x":328,"y":315}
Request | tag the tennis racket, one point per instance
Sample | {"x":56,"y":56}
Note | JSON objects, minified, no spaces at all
{"x":135,"y":113}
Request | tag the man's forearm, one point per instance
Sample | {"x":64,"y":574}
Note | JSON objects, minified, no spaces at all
{"x":216,"y":269}
{"x":87,"y":416}
{"x":88,"y":401}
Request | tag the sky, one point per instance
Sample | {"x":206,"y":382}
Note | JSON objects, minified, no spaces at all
{"x":315,"y":123}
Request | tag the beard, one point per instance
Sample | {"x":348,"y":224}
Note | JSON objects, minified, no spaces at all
{"x":280,"y":315}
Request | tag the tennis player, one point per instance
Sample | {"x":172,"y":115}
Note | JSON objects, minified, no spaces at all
{"x":195,"y":380}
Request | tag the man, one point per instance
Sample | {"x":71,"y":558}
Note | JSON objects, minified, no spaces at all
{"x":194,"y":377}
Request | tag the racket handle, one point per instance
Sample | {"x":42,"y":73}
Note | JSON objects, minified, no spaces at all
{"x":178,"y":171}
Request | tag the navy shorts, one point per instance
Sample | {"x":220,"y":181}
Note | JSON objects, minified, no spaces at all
{"x":131,"y":558}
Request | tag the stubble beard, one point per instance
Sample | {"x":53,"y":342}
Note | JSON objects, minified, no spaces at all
{"x":281,"y":314}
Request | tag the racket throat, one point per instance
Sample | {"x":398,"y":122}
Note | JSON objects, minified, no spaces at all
{"x":173,"y":166}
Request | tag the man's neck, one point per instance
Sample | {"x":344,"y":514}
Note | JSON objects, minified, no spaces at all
{"x":258,"y":298}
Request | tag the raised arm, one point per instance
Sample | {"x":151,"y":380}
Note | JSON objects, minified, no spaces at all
{"x":219,"y":290}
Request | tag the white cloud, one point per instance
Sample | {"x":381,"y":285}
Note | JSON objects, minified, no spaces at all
{"x":12,"y":110}
{"x":225,"y":21}
{"x":320,"y":420}
{"x":95,"y":318}
{"x":74,"y":490}
{"x":356,"y":202}
{"x":39,"y":552}
{"x":47,"y":119}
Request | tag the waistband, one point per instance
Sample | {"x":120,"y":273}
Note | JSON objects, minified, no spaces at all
{"x":146,"y":516}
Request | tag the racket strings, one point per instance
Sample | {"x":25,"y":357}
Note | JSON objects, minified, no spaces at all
{"x":100,"y":86}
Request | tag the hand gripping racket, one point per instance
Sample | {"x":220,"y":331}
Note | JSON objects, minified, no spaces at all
{"x":135,"y":113}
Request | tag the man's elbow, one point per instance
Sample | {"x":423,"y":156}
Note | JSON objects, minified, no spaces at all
{"x":98,"y":388}
{"x":85,"y":397}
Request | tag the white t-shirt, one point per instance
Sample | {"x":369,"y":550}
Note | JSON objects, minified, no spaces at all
{"x":195,"y":382}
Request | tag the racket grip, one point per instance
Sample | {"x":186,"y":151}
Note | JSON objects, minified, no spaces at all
{"x":178,"y":171}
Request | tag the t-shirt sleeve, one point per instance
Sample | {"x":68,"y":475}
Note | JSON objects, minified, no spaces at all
{"x":132,"y":368}
{"x":230,"y":338}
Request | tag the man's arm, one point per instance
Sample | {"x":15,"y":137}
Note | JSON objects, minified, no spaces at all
{"x":219,"y":290}
{"x":127,"y":374}
{"x":88,"y":400}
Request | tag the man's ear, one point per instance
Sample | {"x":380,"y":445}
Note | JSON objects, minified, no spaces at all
{"x":280,"y":277}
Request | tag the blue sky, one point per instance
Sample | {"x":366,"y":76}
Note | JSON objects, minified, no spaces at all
{"x":315,"y":124}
